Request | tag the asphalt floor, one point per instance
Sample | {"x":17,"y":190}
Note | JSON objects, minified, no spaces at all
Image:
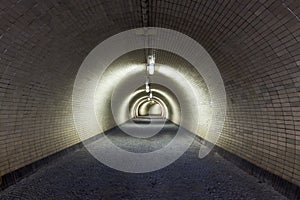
{"x":79,"y":175}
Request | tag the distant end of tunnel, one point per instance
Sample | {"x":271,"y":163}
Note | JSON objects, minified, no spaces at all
{"x":228,"y":72}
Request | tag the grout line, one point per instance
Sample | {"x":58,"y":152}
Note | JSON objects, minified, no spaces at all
{"x":283,"y":3}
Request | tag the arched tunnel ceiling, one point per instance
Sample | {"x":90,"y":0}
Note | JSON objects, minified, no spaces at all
{"x":255,"y":45}
{"x":174,"y":79}
{"x":163,"y":96}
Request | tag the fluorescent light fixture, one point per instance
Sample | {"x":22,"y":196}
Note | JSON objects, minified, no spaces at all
{"x":150,"y":64}
{"x":150,"y":95}
{"x":147,"y":88}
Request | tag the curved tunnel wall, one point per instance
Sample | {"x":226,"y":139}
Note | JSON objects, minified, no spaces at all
{"x":174,"y":80}
{"x":150,"y":109}
{"x":255,"y":44}
{"x":166,"y":98}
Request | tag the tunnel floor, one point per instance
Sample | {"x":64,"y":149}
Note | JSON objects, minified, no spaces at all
{"x":78,"y":175}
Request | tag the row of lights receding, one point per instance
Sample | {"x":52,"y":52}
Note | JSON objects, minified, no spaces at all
{"x":150,"y":67}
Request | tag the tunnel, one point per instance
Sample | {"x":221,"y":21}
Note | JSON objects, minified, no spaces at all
{"x":149,"y":99}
